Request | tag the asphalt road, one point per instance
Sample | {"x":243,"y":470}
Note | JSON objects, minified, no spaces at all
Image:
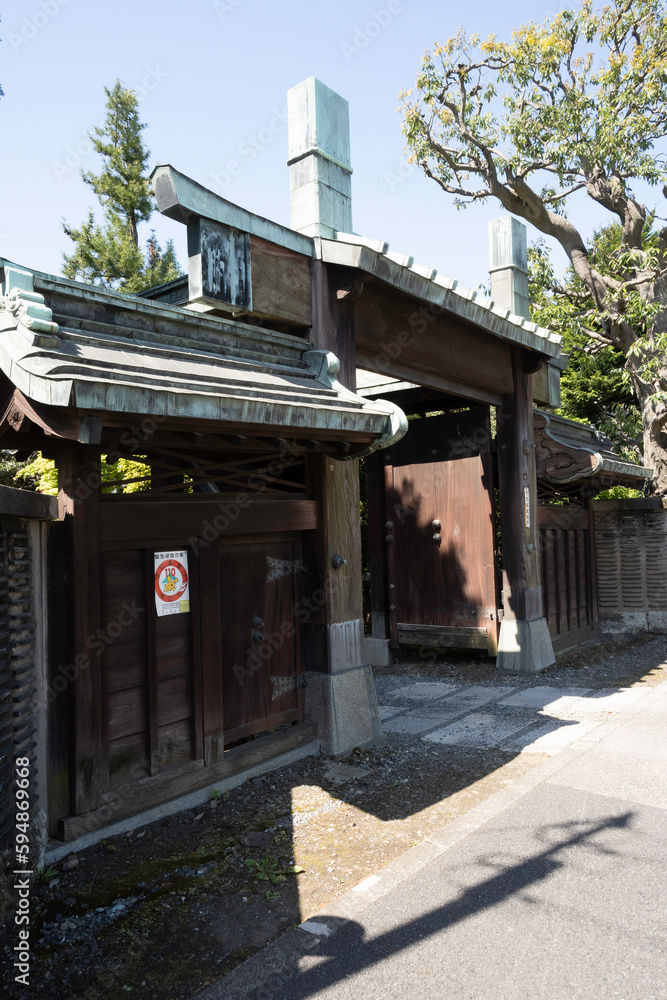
{"x":555,"y":888}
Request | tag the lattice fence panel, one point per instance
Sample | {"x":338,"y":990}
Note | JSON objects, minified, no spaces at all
{"x":631,"y":557}
{"x":17,"y":665}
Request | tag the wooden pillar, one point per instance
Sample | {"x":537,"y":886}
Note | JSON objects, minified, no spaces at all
{"x":337,"y":486}
{"x":377,"y":545}
{"x":524,"y":644}
{"x":340,"y":695}
{"x":78,"y":502}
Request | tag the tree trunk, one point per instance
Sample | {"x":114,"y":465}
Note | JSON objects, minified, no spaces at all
{"x":132,"y":223}
{"x":655,"y":445}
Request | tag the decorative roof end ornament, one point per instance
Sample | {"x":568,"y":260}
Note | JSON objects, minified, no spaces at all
{"x":21,"y":299}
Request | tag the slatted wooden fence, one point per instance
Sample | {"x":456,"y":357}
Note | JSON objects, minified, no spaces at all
{"x":631,"y":546}
{"x":568,"y":573}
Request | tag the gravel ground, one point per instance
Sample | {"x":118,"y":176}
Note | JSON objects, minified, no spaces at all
{"x":175,"y":905}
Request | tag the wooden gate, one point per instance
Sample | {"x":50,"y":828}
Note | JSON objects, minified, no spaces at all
{"x":568,"y":573}
{"x":440,"y":533}
{"x":185,"y":687}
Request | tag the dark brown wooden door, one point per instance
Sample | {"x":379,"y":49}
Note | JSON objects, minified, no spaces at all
{"x":150,"y":676}
{"x":260,"y":656}
{"x":440,"y":532}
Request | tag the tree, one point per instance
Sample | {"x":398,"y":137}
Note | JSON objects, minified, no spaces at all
{"x":578,"y":104}
{"x":594,"y":386}
{"x":110,"y":255}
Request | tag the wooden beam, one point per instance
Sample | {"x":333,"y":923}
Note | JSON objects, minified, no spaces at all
{"x":397,"y":335}
{"x":447,"y":637}
{"x":133,"y":521}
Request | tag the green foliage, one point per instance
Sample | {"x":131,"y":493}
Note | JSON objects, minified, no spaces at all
{"x":10,"y":467}
{"x":41,"y":474}
{"x":619,"y":493}
{"x":594,"y":386}
{"x":44,"y":874}
{"x":585,"y":91}
{"x":109,"y":255}
{"x":578,"y":103}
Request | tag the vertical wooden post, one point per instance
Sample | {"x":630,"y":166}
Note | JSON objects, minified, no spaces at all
{"x":524,"y":644}
{"x":377,"y":546}
{"x":340,"y":695}
{"x":337,"y":485}
{"x":78,"y":506}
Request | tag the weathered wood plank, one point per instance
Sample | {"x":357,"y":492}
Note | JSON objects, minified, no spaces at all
{"x":127,"y":712}
{"x":151,"y":524}
{"x":442,"y":635}
{"x":125,"y":664}
{"x":136,"y":796}
{"x":175,"y":743}
{"x":211,"y":655}
{"x":281,"y":282}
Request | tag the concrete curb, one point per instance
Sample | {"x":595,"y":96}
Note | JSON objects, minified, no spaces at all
{"x":265,"y":974}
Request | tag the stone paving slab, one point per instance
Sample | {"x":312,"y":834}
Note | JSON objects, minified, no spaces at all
{"x":413,"y":724}
{"x":478,"y":729}
{"x":423,"y":690}
{"x":386,"y":711}
{"x":474,"y":697}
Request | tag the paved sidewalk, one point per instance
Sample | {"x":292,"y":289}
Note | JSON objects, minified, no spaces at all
{"x":553,"y":888}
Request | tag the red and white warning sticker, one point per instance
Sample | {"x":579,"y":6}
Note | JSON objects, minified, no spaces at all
{"x":172,"y":584}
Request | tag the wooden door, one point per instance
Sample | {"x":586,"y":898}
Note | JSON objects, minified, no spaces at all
{"x":151,"y":702}
{"x":440,"y":533}
{"x":260,"y":654}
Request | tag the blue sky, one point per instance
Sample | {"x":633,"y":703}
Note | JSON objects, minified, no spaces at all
{"x":212,"y":77}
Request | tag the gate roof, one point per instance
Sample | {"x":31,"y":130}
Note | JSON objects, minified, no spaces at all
{"x":94,"y":351}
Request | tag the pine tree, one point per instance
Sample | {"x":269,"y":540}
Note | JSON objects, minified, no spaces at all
{"x":109,"y":254}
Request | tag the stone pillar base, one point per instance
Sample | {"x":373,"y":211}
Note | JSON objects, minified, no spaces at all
{"x":524,"y":647}
{"x":377,"y":652}
{"x":344,"y":706}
